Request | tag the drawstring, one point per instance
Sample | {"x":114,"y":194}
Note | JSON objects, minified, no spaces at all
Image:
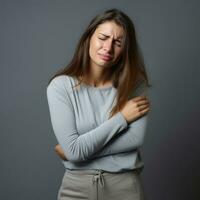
{"x":100,"y":177}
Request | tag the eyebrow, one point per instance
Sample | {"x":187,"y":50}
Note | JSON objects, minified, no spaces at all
{"x":118,"y":39}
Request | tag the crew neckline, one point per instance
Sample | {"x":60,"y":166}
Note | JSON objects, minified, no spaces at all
{"x":95,"y":88}
{"x":98,"y":88}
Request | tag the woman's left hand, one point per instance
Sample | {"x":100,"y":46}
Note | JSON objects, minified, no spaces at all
{"x":60,"y":152}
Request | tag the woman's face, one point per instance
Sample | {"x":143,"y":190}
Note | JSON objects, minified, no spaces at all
{"x":106,"y":44}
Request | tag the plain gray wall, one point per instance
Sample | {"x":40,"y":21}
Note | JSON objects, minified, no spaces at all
{"x":39,"y":37}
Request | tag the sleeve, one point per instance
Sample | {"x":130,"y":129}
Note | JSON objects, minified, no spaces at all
{"x":78,"y":147}
{"x":132,"y":137}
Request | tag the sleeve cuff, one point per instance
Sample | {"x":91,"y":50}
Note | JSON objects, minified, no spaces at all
{"x":122,"y":119}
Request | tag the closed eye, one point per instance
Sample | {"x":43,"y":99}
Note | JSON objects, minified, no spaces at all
{"x":118,"y":44}
{"x":102,"y":38}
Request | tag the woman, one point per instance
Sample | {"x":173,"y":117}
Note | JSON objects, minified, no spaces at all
{"x":98,"y":107}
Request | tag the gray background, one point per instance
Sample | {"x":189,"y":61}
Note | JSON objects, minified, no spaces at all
{"x":39,"y":37}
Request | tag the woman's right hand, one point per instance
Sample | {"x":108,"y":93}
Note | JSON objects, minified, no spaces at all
{"x":135,"y":108}
{"x":60,"y":152}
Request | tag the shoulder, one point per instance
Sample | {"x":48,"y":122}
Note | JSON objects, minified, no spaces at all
{"x":140,"y":89}
{"x":61,"y":82}
{"x":58,"y":89}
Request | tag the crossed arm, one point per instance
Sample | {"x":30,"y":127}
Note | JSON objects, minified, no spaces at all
{"x":131,"y":139}
{"x":113,"y":136}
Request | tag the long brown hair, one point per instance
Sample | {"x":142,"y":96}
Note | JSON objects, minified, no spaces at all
{"x":126,"y":74}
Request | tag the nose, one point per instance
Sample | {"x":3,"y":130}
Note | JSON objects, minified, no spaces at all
{"x":108,"y":46}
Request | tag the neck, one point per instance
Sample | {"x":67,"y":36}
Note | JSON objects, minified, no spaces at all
{"x":98,"y":76}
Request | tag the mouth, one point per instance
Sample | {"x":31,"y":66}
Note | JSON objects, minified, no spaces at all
{"x":105,"y":57}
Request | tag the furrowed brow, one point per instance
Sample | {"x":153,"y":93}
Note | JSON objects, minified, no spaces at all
{"x":118,"y":39}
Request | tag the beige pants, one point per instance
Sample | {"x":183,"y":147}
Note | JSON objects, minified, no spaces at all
{"x":101,"y":185}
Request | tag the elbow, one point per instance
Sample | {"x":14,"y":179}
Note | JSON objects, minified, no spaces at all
{"x":69,"y":154}
{"x":140,"y":139}
{"x":75,"y":152}
{"x":75,"y":157}
{"x":140,"y":144}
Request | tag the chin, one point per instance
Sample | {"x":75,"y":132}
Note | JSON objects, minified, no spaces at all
{"x":102,"y":63}
{"x":105,"y":64}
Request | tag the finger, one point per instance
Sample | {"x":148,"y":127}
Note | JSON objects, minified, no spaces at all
{"x":143,"y":107}
{"x":142,"y":112}
{"x":139,"y":98}
{"x":143,"y":102}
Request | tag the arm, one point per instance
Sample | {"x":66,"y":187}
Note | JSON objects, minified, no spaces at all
{"x":78,"y":147}
{"x":131,"y":139}
{"x":133,"y":136}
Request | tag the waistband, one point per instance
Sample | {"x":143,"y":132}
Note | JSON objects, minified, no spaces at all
{"x":98,"y":174}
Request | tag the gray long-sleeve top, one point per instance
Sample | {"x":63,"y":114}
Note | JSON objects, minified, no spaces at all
{"x":88,"y":138}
